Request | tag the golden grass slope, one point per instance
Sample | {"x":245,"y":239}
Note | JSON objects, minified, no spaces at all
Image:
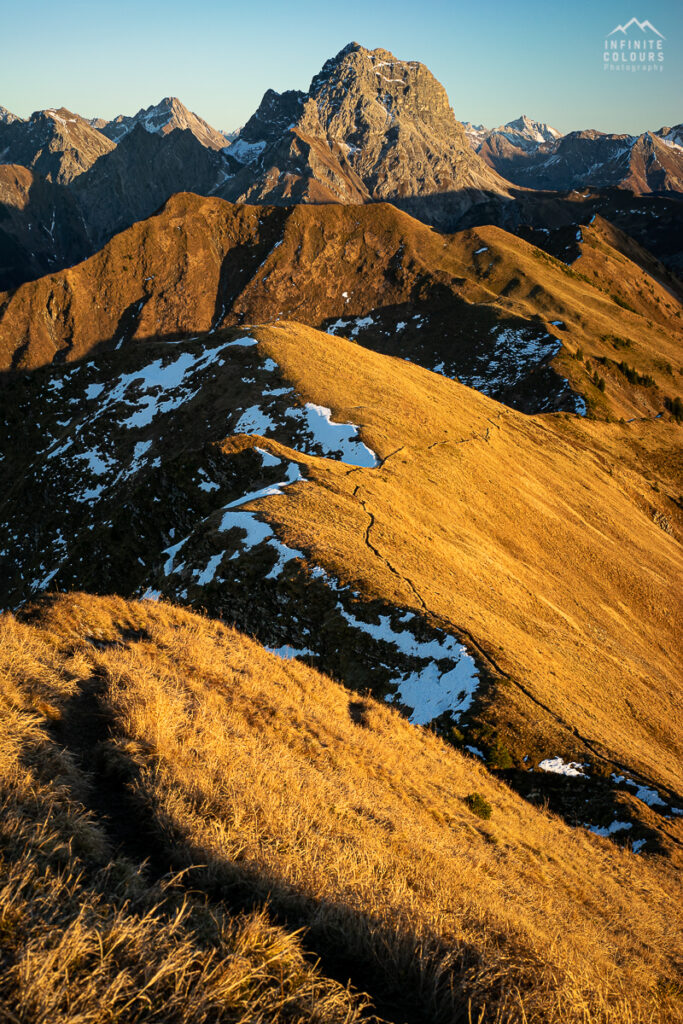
{"x":263,"y":779}
{"x":608,"y":305}
{"x":86,"y":935}
{"x":202,"y":262}
{"x":538,"y":540}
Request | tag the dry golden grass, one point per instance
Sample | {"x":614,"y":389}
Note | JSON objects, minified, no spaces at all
{"x":535,"y":537}
{"x":602,"y":296}
{"x":354,"y":825}
{"x":85,"y":938}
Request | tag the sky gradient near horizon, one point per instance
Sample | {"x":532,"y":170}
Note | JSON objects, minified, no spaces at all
{"x":496,"y":60}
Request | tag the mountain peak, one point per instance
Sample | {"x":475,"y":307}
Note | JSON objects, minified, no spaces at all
{"x":55,"y":143}
{"x":530,"y":130}
{"x":524,"y":121}
{"x":7,"y":117}
{"x":371,"y":126}
{"x":164,"y":117}
{"x":351,"y":47}
{"x":354,"y":59}
{"x":61,"y":115}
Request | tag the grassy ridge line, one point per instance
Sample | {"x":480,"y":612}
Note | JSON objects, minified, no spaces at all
{"x":352,"y":822}
{"x":514,"y":529}
{"x":85,"y":934}
{"x":203,"y":262}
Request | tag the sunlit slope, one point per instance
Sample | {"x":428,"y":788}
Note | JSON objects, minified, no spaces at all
{"x":522,"y":534}
{"x":209,"y":472}
{"x":191,"y":745}
{"x":603,"y":305}
{"x":480,"y":304}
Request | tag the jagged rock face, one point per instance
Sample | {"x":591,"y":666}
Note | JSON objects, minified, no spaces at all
{"x":164,"y":117}
{"x":395,"y":119}
{"x":371,"y":127}
{"x":276,"y":113}
{"x":56,"y":144}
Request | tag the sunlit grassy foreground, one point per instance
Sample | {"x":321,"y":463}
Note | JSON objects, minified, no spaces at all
{"x":283,"y":793}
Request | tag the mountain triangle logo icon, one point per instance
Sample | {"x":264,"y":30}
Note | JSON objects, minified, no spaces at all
{"x":644,"y":26}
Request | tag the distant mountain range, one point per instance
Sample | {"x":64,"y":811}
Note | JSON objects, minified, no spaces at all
{"x":537,"y":156}
{"x":523,"y":134}
{"x":370,"y":128}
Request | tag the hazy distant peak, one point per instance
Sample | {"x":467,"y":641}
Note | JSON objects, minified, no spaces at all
{"x":534,"y":131}
{"x":164,"y":117}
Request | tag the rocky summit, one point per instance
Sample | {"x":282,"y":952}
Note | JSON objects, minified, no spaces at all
{"x":56,"y":144}
{"x":370,"y":127}
{"x":522,"y":134}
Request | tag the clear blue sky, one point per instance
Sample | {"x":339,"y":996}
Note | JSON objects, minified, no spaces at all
{"x":496,"y":59}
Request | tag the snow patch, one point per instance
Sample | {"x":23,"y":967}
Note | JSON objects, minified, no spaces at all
{"x":559,"y":767}
{"x":609,"y":830}
{"x":335,"y":437}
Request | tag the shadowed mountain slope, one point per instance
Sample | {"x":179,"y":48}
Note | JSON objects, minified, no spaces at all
{"x":139,"y":175}
{"x":41,"y":227}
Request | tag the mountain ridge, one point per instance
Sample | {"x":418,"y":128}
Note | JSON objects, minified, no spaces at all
{"x":407,"y":891}
{"x":650,"y":162}
{"x":481,"y":305}
{"x":370,"y":128}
